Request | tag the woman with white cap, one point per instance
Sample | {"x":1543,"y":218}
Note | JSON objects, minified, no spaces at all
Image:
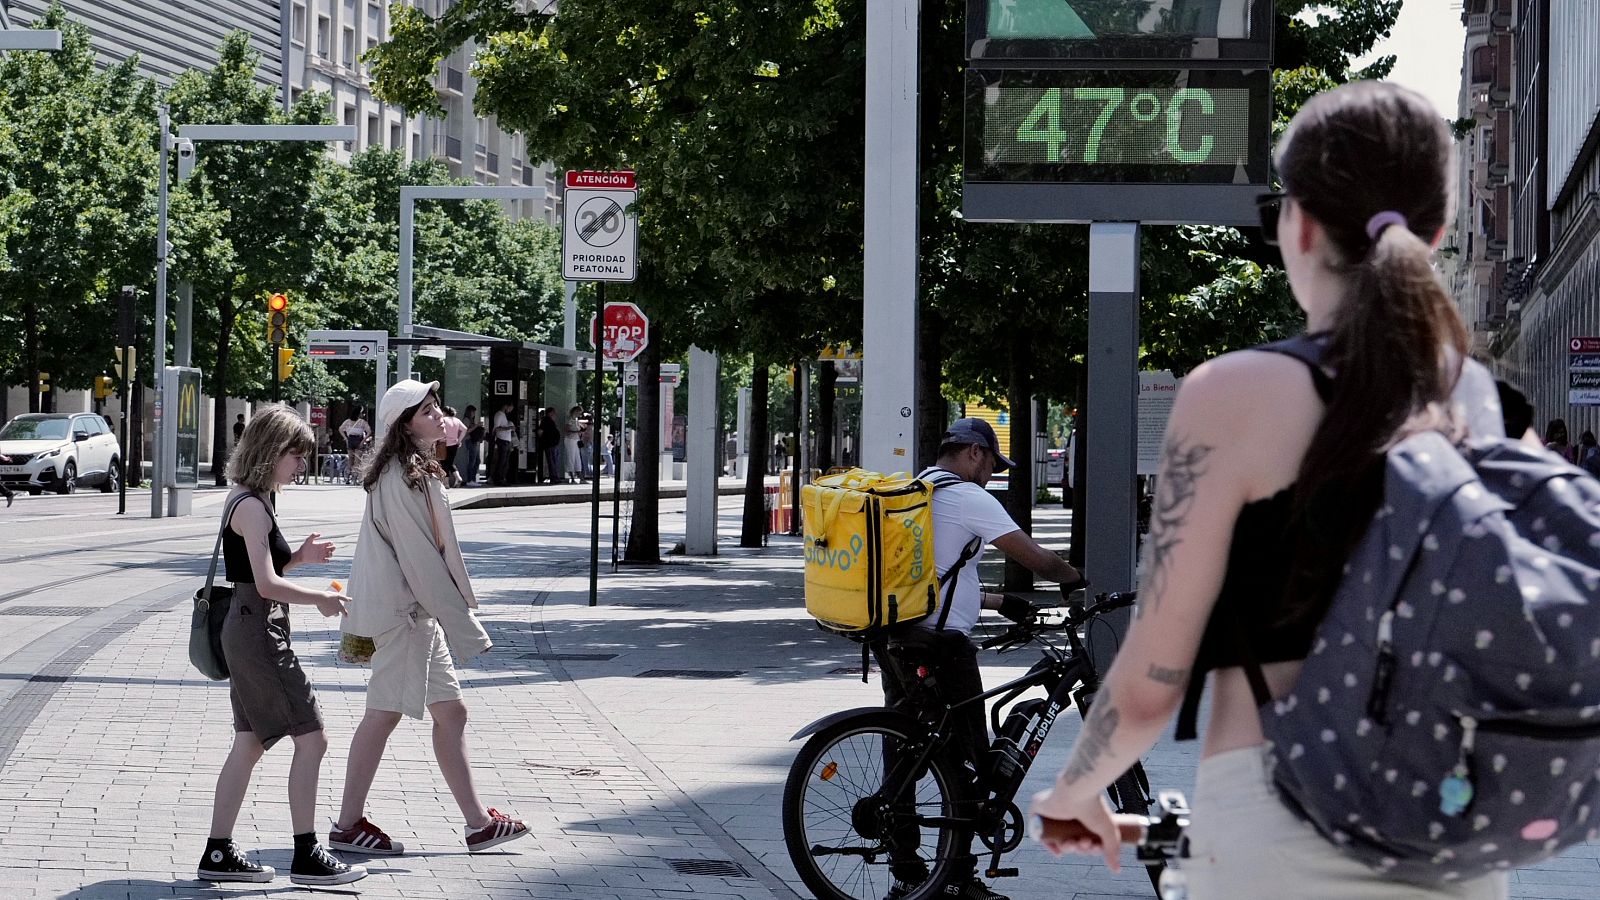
{"x":411,"y":594}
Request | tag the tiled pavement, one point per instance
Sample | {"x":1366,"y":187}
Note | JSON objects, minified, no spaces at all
{"x":106,"y":793}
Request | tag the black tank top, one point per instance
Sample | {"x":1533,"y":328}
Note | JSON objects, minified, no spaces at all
{"x":236,"y":557}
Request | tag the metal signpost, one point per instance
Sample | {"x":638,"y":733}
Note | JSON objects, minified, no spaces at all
{"x":627,"y":333}
{"x":182,"y":142}
{"x":600,"y":243}
{"x":1078,"y":112}
{"x":371,"y":346}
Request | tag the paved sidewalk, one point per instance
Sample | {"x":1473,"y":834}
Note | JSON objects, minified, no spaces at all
{"x":649,"y":729}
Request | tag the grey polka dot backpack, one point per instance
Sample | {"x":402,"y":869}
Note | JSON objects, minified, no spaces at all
{"x":1447,"y":721}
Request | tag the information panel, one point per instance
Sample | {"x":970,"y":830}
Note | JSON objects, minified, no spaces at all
{"x":1113,"y":30}
{"x":1186,"y":126}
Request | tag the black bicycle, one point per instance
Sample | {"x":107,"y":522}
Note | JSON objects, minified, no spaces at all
{"x":878,"y":793}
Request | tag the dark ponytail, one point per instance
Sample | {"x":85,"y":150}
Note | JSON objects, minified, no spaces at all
{"x":1397,"y":342}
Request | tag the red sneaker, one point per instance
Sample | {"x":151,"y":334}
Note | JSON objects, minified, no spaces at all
{"x":363,"y":837}
{"x":501,"y":828}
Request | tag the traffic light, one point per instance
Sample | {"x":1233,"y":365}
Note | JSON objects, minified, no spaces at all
{"x":278,"y":319}
{"x":44,"y":382}
{"x":103,"y":386}
{"x":127,"y":310}
{"x":285,"y":363}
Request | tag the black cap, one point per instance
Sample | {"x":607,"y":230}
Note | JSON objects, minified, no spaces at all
{"x":977,"y":431}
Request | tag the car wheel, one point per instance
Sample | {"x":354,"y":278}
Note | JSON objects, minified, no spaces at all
{"x":113,"y":478}
{"x":69,"y":479}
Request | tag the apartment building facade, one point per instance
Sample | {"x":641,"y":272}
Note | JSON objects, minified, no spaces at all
{"x":322,"y":42}
{"x":1527,"y":230}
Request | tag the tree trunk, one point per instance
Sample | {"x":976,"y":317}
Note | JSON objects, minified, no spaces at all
{"x":219,"y":410}
{"x":644,"y":535}
{"x":799,"y":453}
{"x":30,"y":352}
{"x":1019,"y":495}
{"x":827,"y":380}
{"x":932,"y":412}
{"x":753,"y":532}
{"x":1079,"y":462}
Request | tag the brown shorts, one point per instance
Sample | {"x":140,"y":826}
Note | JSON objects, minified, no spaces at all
{"x":270,"y":693}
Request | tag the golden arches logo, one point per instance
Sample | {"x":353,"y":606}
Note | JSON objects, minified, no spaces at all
{"x":189,"y":405}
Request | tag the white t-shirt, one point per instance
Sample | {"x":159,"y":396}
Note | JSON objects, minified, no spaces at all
{"x":960,"y":513}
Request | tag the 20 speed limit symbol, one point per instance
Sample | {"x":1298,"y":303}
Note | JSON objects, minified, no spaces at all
{"x":600,"y":222}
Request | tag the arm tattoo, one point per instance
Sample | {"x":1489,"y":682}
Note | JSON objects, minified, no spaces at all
{"x":1181,"y":468}
{"x":1174,"y":677}
{"x":1094,"y":742}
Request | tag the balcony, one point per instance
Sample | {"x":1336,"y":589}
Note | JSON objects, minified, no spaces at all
{"x":452,"y":148}
{"x":454,"y":80}
{"x":1497,"y":149}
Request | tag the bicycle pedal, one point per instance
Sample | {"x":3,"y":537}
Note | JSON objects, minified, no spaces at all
{"x":1001,"y":873}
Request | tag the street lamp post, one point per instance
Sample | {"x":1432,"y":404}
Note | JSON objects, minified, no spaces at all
{"x":170,"y":140}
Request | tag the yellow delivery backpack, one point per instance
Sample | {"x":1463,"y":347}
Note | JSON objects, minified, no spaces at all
{"x":869,"y":552}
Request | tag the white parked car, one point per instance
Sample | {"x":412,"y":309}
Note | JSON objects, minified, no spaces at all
{"x":60,"y":451}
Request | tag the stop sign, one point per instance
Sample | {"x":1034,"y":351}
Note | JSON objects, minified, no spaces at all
{"x":627,"y":332}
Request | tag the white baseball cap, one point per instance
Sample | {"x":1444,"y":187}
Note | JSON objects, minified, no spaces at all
{"x":401,"y":397}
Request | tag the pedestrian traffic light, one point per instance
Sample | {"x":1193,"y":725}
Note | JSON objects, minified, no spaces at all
{"x":278,"y":319}
{"x":103,"y":386}
{"x":44,"y":382}
{"x":285,"y":363}
{"x":127,"y":309}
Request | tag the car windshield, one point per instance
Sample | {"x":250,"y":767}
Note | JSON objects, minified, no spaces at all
{"x":35,"y":430}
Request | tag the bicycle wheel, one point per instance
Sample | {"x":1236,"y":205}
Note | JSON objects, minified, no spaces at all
{"x":846,"y":838}
{"x":1130,"y":793}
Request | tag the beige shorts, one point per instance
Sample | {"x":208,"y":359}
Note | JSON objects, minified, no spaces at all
{"x":412,"y":668}
{"x":1245,"y":844}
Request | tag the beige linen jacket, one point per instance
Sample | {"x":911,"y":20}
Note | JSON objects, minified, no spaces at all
{"x":398,"y":569}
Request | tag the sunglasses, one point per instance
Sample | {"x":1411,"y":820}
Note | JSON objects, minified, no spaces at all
{"x":1269,"y":207}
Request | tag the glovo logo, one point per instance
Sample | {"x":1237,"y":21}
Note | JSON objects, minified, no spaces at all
{"x":842,"y":559}
{"x":918,"y":563}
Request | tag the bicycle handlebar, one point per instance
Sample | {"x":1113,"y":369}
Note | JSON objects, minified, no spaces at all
{"x":1023,"y":632}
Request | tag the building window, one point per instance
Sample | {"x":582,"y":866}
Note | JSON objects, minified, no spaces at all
{"x":416,"y":146}
{"x":323,"y":27}
{"x":375,"y":21}
{"x":350,"y":122}
{"x":374,"y":132}
{"x":297,"y":27}
{"x":349,"y":48}
{"x":452,"y":148}
{"x":396,"y":136}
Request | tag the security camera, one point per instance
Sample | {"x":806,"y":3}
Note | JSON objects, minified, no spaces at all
{"x":185,"y":159}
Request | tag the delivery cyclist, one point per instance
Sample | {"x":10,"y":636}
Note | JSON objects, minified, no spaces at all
{"x":966,"y":518}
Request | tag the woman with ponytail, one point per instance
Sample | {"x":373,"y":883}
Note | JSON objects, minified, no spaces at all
{"x":1271,"y":472}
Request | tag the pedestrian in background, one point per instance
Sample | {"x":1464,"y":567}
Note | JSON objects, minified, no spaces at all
{"x":505,"y":437}
{"x":1258,"y":444}
{"x":1588,"y":453}
{"x":455,"y":431}
{"x":1556,"y":439}
{"x":11,"y":496}
{"x":608,"y":450}
{"x":268,"y":690}
{"x":413,"y":597}
{"x":571,"y":441}
{"x":549,"y":444}
{"x":473,"y":445}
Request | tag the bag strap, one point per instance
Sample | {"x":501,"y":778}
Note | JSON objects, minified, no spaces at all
{"x":227,"y":516}
{"x":1309,"y":349}
{"x":944,"y":478}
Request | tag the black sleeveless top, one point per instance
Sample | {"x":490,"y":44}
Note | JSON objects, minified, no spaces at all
{"x":236,"y":557}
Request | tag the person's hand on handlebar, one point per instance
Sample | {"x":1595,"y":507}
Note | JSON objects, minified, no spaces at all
{"x":1078,"y":826}
{"x":1017,"y":609}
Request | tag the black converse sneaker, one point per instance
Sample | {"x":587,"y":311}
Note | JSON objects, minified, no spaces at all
{"x":223,"y":862}
{"x":315,"y":865}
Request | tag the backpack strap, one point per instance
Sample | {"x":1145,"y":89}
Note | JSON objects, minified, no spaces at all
{"x":1309,"y":349}
{"x":942,"y":478}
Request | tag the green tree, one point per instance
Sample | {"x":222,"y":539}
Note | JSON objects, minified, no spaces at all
{"x":743,"y":120}
{"x":244,"y":225}
{"x":77,"y":155}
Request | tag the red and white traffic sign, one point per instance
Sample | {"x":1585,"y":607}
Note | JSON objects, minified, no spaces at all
{"x":599,"y":232}
{"x":627,"y":332}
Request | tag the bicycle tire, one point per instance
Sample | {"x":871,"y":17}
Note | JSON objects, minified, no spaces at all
{"x":829,"y":795}
{"x":1130,"y":793}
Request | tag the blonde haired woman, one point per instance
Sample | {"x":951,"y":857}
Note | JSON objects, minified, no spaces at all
{"x":414,"y":599}
{"x":270,"y":694}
